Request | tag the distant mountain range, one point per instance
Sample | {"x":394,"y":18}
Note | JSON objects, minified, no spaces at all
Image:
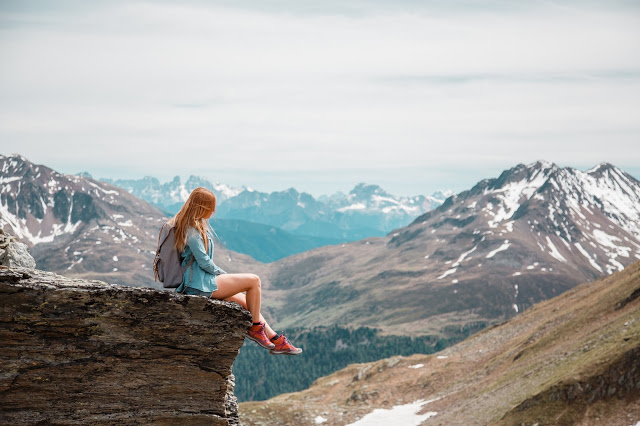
{"x":170,"y":196}
{"x":366,"y":211}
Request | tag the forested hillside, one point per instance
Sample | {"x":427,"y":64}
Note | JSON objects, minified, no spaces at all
{"x":325,"y":350}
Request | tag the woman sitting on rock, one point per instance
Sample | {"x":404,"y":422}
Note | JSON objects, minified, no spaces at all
{"x":202,"y":277}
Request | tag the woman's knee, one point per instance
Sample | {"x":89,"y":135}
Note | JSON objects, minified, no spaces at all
{"x":255,"y":281}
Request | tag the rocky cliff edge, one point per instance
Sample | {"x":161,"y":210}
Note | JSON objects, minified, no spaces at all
{"x":77,"y":351}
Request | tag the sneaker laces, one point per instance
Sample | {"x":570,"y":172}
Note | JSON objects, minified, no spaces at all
{"x":285,"y":340}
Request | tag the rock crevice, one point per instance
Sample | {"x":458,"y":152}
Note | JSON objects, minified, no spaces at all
{"x":77,"y":351}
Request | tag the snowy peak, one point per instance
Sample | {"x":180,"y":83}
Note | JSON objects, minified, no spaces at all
{"x":171,"y":195}
{"x":222,"y":191}
{"x":605,"y":188}
{"x":66,"y":219}
{"x":363,"y":191}
{"x":616,"y":179}
{"x":372,"y":199}
{"x":39,"y":204}
{"x":440,"y":196}
{"x":286,"y":209}
{"x":602,"y":167}
{"x":584,"y":220}
{"x":530,"y":176}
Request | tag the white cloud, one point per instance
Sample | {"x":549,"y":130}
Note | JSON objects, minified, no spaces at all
{"x":272,"y":92}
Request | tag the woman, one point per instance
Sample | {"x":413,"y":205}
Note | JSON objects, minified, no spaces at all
{"x":202,"y":277}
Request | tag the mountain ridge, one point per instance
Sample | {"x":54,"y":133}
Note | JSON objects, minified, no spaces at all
{"x":486,"y":253}
{"x":86,"y":228}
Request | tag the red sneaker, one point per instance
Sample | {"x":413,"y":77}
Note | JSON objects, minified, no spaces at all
{"x":256,"y":333}
{"x":283,"y":346}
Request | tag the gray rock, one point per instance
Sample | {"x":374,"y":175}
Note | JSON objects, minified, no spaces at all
{"x":14,"y":253}
{"x":77,"y":352}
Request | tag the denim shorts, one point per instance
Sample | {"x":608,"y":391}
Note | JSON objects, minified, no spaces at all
{"x":195,"y":292}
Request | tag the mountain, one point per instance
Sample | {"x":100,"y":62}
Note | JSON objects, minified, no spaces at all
{"x":479,"y":259}
{"x":365,"y":203}
{"x":483,"y":256}
{"x":570,"y":360}
{"x":85,"y":228}
{"x":170,"y":196}
{"x":366,"y":211}
{"x":240,"y":224}
{"x":272,"y":226}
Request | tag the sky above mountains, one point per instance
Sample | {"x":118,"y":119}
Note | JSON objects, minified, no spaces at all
{"x":320,"y":95}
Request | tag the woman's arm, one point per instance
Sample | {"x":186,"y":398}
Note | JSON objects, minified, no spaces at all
{"x":195,"y":243}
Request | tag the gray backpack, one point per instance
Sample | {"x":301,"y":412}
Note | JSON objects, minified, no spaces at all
{"x":167,"y":265}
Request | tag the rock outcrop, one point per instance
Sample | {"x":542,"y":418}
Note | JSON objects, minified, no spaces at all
{"x":78,"y":352}
{"x":14,"y":253}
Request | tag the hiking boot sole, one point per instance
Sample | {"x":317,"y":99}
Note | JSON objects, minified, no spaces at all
{"x":260,"y":342}
{"x":298,"y":352}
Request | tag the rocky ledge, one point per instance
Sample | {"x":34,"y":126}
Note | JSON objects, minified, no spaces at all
{"x":77,"y":352}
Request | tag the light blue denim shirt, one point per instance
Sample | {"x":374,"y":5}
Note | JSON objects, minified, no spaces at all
{"x":202,"y":273}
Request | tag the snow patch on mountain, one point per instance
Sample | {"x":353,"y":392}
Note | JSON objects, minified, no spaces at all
{"x":449,"y":272}
{"x":406,"y":415}
{"x":357,"y":206}
{"x":463,"y":256}
{"x":514,"y":193}
{"x":586,"y":254}
{"x":553,"y":251}
{"x":503,"y":247}
{"x":23,"y":233}
{"x":607,"y":240}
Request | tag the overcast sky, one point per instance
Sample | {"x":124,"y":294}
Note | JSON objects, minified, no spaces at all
{"x":319,"y":95}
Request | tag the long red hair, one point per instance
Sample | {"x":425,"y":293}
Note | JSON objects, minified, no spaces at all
{"x":194,"y":213}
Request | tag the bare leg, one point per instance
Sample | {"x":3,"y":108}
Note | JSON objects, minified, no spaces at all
{"x":241,"y":299}
{"x":231,"y":284}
